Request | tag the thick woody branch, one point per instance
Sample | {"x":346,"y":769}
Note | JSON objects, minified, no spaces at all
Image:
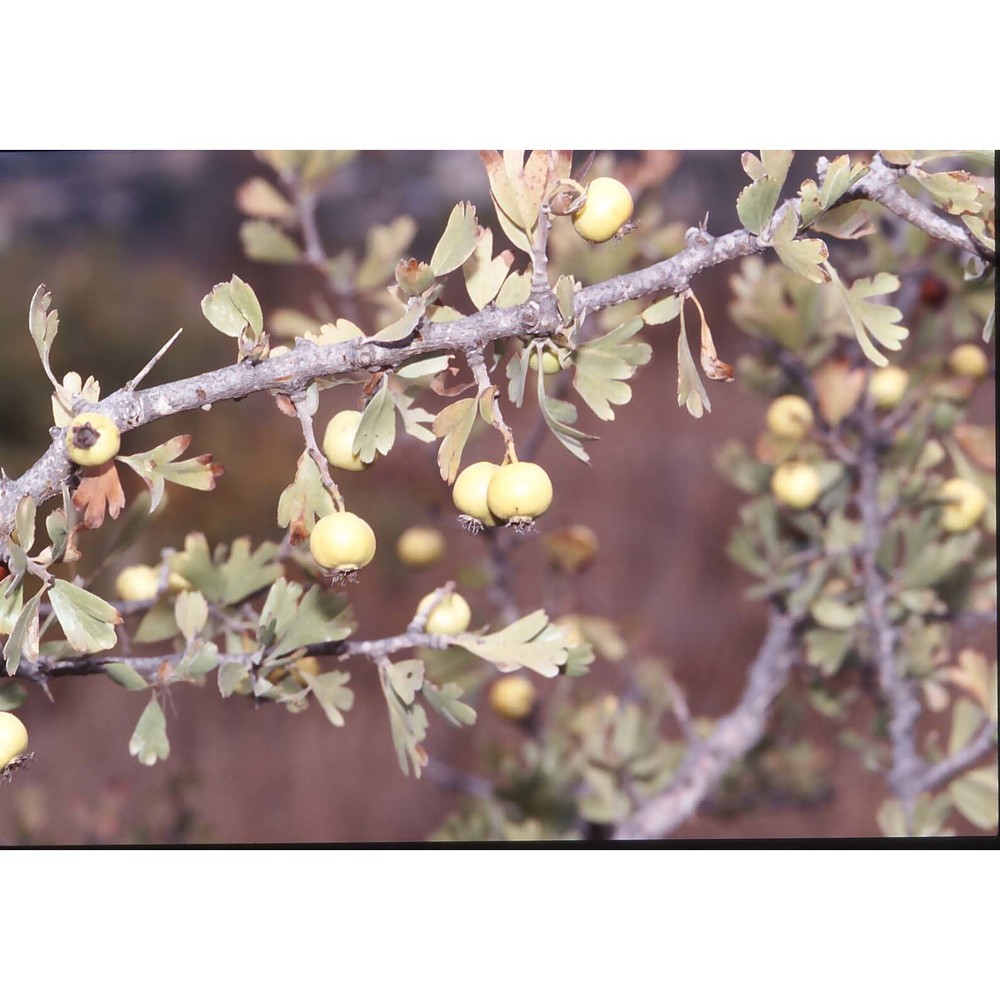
{"x":881,"y":185}
{"x":707,"y":761}
{"x":900,"y":692}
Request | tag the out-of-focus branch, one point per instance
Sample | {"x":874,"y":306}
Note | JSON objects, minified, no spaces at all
{"x":960,"y":761}
{"x":707,"y":761}
{"x":881,"y":185}
{"x":152,"y":667}
{"x":899,"y":691}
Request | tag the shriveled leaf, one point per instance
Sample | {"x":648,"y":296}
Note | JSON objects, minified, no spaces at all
{"x":43,"y":326}
{"x":334,"y":697}
{"x":100,"y":491}
{"x":86,"y":619}
{"x":690,"y":390}
{"x":266,"y":242}
{"x":149,"y":742}
{"x":304,"y":501}
{"x":485,"y":274}
{"x":376,"y":432}
{"x":408,"y":725}
{"x":454,"y":424}
{"x":23,"y":638}
{"x":458,"y":241}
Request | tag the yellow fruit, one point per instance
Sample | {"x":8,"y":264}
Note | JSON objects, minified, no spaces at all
{"x":137,"y":583}
{"x":451,"y":615}
{"x":420,"y":547}
{"x":964,"y":505}
{"x":519,"y":490}
{"x":92,"y":439}
{"x":969,"y":360}
{"x":342,"y":542}
{"x":789,"y":417}
{"x":512,"y":697}
{"x":13,"y":739}
{"x":887,"y":386}
{"x":796,"y":484}
{"x":338,"y":441}
{"x":550,"y":361}
{"x":607,"y":208}
{"x":469,"y":491}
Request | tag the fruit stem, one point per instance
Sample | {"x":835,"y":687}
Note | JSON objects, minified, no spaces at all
{"x":313,"y":449}
{"x":477,"y":363}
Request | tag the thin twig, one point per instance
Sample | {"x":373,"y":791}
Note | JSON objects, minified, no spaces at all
{"x":477,"y":363}
{"x":305,"y":420}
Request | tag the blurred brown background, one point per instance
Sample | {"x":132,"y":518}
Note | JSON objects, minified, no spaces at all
{"x":128,"y":243}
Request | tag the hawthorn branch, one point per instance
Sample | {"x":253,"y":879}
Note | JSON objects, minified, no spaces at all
{"x":907,"y":767}
{"x":153,"y":668}
{"x":308,"y":361}
{"x":881,"y":185}
{"x":960,"y":761}
{"x":707,"y":761}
